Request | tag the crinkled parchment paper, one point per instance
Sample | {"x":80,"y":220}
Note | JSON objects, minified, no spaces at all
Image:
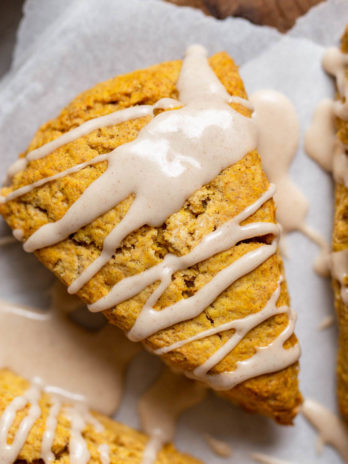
{"x":67,"y":46}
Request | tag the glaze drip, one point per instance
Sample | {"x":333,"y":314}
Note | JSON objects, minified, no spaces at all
{"x":219,"y":447}
{"x":335,"y":63}
{"x":104,"y":453}
{"x":49,"y":433}
{"x":161,"y":405}
{"x":322,"y":144}
{"x":339,"y":270}
{"x":326,"y":323}
{"x":277,"y":122}
{"x":331,"y":429}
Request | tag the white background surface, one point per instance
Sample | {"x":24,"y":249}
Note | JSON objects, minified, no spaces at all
{"x":67,"y":46}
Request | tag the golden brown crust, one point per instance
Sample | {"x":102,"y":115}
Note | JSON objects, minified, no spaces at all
{"x":126,"y":445}
{"x":339,"y":243}
{"x":274,"y":395}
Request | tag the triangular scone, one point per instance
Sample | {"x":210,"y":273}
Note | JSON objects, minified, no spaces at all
{"x":104,"y":440}
{"x":273,"y":394}
{"x":340,"y":245}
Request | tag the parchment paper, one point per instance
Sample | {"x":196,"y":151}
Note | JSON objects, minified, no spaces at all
{"x":67,"y":46}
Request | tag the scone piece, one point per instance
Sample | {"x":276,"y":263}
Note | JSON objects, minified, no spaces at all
{"x":340,"y":243}
{"x":125,"y":445}
{"x":274,"y":394}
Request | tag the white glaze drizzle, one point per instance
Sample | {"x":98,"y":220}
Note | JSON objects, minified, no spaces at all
{"x":172,"y":154}
{"x":50,"y":431}
{"x":161,"y":405}
{"x":335,"y":63}
{"x":77,"y":414}
{"x":133,"y":167}
{"x":323,"y":145}
{"x":18,"y":234}
{"x":104,"y":453}
{"x":153,"y":447}
{"x":278,"y":127}
{"x":104,"y":121}
{"x":320,"y":137}
{"x":263,"y":360}
{"x":241,"y":326}
{"x":151,"y":321}
{"x":267,"y":359}
{"x":219,"y":447}
{"x":78,"y":448}
{"x":331,"y":429}
{"x":9,"y":452}
{"x":339,"y":270}
{"x":28,"y":188}
{"x":111,"y":119}
{"x":222,"y":239}
{"x":327,"y":322}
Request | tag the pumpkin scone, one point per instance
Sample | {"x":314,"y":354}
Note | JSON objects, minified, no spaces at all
{"x":335,"y":62}
{"x":146,"y":197}
{"x":36,"y":426}
{"x":326,"y":143}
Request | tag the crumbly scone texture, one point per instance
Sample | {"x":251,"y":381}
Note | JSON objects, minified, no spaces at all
{"x":126,"y":445}
{"x":275,"y":395}
{"x":339,"y":243}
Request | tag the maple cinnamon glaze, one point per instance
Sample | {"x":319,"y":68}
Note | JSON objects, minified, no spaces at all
{"x":175,"y":154}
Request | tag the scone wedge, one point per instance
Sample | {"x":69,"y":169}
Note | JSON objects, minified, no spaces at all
{"x":228,"y":322}
{"x":340,"y":251}
{"x":98,"y":439}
